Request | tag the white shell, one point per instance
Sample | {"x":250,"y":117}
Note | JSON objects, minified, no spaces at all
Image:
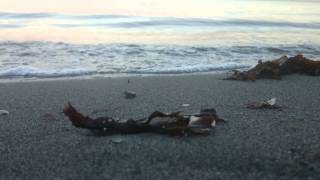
{"x":185,"y":105}
{"x":4,"y":112}
{"x":213,"y":124}
{"x":272,"y":101}
{"x":117,"y":140}
{"x":194,"y":121}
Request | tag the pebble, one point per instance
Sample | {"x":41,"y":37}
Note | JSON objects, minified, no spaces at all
{"x":130,"y":94}
{"x":4,"y":112}
{"x":117,"y":140}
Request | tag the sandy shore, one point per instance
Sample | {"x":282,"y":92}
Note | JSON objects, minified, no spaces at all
{"x":254,"y":144}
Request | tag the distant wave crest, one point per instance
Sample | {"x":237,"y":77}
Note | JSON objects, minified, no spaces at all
{"x":121,"y":21}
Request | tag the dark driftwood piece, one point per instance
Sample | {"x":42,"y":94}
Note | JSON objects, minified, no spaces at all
{"x":277,"y":68}
{"x":158,"y":122}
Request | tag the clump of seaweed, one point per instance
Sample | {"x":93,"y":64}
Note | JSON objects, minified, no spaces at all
{"x":157,"y":122}
{"x":277,"y":68}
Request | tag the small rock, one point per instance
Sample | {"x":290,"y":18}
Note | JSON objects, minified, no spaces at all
{"x":117,"y":140}
{"x":185,"y":105}
{"x":4,"y":112}
{"x":130,"y":94}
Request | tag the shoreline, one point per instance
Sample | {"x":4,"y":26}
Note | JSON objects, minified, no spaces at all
{"x":105,"y":76}
{"x":253,"y":144}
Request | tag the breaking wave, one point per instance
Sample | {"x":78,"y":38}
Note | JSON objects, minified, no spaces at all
{"x":28,"y":71}
{"x":44,"y":59}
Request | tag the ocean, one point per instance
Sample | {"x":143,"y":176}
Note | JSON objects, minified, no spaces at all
{"x":54,"y":45}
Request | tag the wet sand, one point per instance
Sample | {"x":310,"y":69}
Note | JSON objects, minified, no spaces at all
{"x":37,"y":141}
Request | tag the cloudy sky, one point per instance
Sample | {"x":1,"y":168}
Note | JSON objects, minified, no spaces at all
{"x":186,"y":8}
{"x":257,"y":12}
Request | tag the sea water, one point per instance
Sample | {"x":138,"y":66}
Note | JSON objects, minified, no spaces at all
{"x":55,"y":45}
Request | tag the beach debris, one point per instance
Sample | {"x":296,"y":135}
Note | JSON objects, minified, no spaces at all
{"x":275,"y":69}
{"x":157,"y":122}
{"x":185,"y":105}
{"x":117,"y":140}
{"x":130,"y":94}
{"x":4,"y":112}
{"x":268,"y":104}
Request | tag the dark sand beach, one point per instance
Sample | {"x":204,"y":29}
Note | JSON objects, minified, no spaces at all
{"x":253,"y":144}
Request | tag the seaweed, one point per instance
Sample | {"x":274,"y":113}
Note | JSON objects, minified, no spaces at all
{"x":277,"y":68}
{"x":174,"y":123}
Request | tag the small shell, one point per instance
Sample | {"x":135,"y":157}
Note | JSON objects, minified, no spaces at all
{"x":272,"y":101}
{"x":185,"y":105}
{"x":213,"y":124}
{"x":194,"y":121}
{"x":4,"y":112}
{"x":117,"y":140}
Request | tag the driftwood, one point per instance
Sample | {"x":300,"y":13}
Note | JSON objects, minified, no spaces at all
{"x":157,"y":122}
{"x":277,"y":68}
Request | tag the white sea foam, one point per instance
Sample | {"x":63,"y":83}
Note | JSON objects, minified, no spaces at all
{"x":194,"y":68}
{"x":43,"y":59}
{"x":27,"y":71}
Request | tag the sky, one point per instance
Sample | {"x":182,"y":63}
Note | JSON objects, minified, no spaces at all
{"x":296,"y":11}
{"x":128,"y":7}
{"x":176,"y":8}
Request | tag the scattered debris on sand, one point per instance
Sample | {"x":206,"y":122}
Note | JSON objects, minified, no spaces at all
{"x":4,"y":112}
{"x":269,"y":104}
{"x":185,"y":105}
{"x":277,"y":68}
{"x":117,"y":140}
{"x":174,"y":123}
{"x":130,"y":94}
